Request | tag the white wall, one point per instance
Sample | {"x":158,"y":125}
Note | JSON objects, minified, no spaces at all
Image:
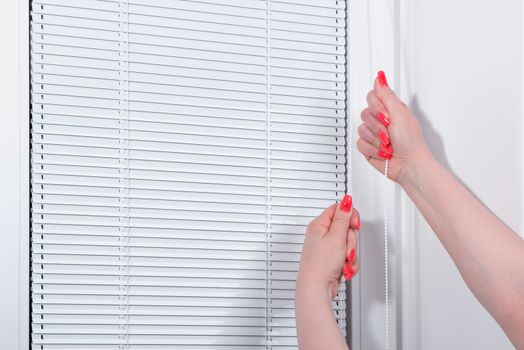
{"x":467,"y":83}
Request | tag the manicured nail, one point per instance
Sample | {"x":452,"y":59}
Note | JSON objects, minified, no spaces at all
{"x":346,"y":203}
{"x":384,"y":155}
{"x":383,"y":119}
{"x":347,"y":268}
{"x":382,"y":79}
{"x":384,"y":138}
{"x":351,"y":256}
{"x":388,"y":149}
{"x":349,"y":275}
{"x":357,"y":224}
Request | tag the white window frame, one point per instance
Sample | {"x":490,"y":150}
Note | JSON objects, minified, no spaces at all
{"x":364,"y":61}
{"x":14,"y":175}
{"x":377,"y":29}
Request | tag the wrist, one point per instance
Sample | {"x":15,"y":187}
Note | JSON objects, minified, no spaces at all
{"x":410,"y":175}
{"x":312,"y":288}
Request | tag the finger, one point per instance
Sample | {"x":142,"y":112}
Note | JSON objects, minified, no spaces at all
{"x":368,"y":135}
{"x":352,"y":243}
{"x":373,"y":124}
{"x":341,"y":220}
{"x":388,"y":99}
{"x":356,"y":266}
{"x":375,"y":105}
{"x":369,"y":152}
{"x":322,"y":223}
{"x":351,"y":270}
{"x":355,"y":220}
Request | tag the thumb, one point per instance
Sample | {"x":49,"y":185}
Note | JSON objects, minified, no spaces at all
{"x":341,"y":220}
{"x":387,"y":96}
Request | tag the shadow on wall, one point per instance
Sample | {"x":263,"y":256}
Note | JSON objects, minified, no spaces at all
{"x":435,"y":141}
{"x":432,"y":137}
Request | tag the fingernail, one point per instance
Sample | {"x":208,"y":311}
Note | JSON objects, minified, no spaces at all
{"x":388,"y":149}
{"x":384,"y":138}
{"x":346,"y":203}
{"x":347,"y":268}
{"x":384,"y":155}
{"x":351,"y":256}
{"x":382,"y":79}
{"x":357,"y":224}
{"x":349,"y":275}
{"x":383,"y":119}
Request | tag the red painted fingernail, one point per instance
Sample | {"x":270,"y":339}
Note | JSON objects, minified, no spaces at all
{"x":382,"y":80}
{"x":388,"y":149}
{"x":384,"y":155}
{"x":347,"y":268}
{"x":351,"y":256}
{"x":346,"y":203}
{"x":384,"y":138}
{"x":357,"y":224}
{"x":383,"y":119}
{"x":349,"y":275}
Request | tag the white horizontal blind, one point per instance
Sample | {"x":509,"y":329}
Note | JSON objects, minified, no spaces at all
{"x":179,"y":149}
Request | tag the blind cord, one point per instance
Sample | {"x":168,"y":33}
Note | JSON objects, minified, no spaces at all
{"x":386,"y":255}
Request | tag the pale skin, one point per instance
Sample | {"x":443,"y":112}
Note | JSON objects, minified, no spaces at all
{"x":487,"y":252}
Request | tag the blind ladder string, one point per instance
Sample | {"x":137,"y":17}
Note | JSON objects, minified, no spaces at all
{"x":124,"y":170}
{"x":268,"y":236}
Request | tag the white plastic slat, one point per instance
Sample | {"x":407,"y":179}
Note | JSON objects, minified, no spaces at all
{"x":248,"y":184}
{"x":57,"y":84}
{"x":221,"y":77}
{"x":316,"y":3}
{"x":161,"y":263}
{"x":178,"y":123}
{"x":287,"y":123}
{"x":313,"y":163}
{"x":208,"y":145}
{"x":177,"y":45}
{"x":225,"y":139}
{"x":152,"y":28}
{"x":161,"y":321}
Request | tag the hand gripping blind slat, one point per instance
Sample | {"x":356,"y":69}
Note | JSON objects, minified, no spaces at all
{"x":179,"y":149}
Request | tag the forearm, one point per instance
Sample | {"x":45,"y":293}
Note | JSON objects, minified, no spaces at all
{"x":316,"y":325}
{"x":487,"y":253}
